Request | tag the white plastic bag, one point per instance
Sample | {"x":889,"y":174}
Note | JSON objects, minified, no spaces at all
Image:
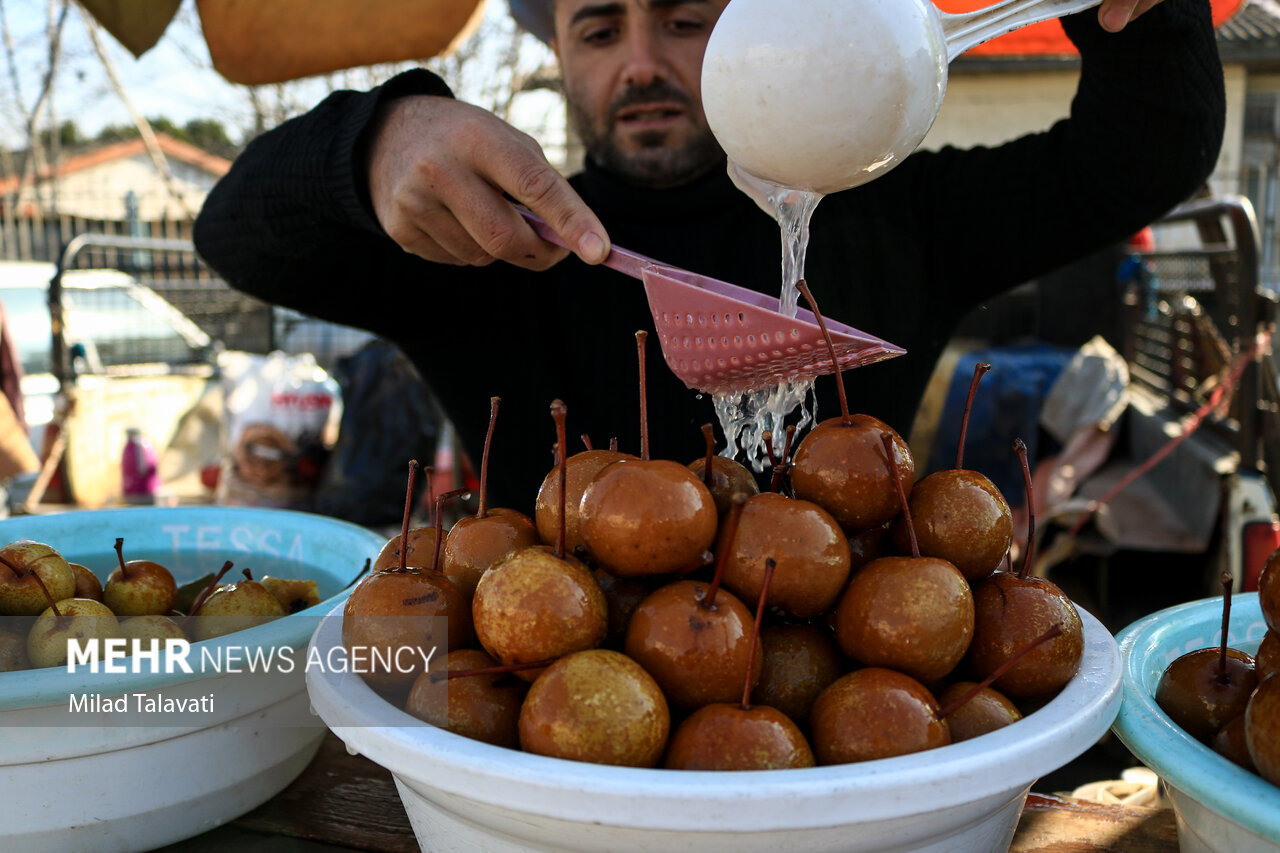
{"x":281,"y":415}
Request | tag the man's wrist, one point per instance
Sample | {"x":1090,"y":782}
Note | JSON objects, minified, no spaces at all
{"x":1084,"y":29}
{"x":417,"y":81}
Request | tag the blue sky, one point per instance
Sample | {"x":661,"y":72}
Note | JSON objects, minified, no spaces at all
{"x":175,"y":78}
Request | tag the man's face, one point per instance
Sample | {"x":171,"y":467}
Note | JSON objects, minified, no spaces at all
{"x":632,"y":73}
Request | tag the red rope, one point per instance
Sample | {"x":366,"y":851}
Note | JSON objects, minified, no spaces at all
{"x":1227,"y":387}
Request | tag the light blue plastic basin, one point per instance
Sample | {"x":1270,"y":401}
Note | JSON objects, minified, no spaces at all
{"x":1214,"y":798}
{"x":190,"y":542}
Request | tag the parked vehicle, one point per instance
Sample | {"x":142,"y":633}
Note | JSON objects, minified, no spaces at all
{"x":113,"y":325}
{"x":132,"y":361}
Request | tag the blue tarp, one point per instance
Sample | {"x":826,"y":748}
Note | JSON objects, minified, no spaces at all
{"x":1007,"y":406}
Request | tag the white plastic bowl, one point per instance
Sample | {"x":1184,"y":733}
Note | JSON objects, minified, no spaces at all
{"x":76,"y":782}
{"x":463,"y":795}
{"x":1221,"y":808}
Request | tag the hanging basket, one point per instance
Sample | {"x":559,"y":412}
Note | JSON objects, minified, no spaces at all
{"x":136,"y":24}
{"x":270,"y":41}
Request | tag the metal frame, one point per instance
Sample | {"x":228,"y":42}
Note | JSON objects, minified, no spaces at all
{"x":58,"y":353}
{"x":1178,"y":349}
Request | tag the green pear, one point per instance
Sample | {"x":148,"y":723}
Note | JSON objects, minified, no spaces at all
{"x":294,"y":594}
{"x":73,"y":618}
{"x":20,"y":592}
{"x":150,"y":626}
{"x":234,"y":607}
{"x":87,"y":583}
{"x":139,"y":587}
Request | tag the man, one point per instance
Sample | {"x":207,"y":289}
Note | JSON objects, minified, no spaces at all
{"x":386,"y":210}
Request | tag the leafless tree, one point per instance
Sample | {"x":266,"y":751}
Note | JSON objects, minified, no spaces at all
{"x":34,"y":158}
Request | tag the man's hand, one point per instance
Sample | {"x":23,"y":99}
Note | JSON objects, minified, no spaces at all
{"x":1114,"y":14}
{"x":437,"y":171}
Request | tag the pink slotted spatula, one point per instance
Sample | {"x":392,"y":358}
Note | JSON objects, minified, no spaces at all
{"x":720,"y":338}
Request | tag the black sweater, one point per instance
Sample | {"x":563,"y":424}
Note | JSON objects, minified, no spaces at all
{"x":903,"y":257}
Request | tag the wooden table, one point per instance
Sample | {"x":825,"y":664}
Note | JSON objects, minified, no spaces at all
{"x":1057,"y":825}
{"x":343,"y":802}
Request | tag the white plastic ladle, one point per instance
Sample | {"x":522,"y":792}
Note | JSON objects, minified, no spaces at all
{"x":824,"y":95}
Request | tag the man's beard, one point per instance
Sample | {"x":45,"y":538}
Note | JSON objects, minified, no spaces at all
{"x":656,"y":164}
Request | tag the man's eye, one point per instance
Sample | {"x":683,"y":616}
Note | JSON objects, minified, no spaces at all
{"x":600,"y":35}
{"x":687,"y":25}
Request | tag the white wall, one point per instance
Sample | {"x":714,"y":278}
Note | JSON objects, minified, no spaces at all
{"x":991,"y":108}
{"x":99,"y":192}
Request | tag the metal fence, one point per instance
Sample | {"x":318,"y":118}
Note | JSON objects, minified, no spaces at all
{"x":236,"y":320}
{"x":1197,"y":310}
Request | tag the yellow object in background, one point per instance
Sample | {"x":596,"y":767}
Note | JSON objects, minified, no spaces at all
{"x":1137,"y":786}
{"x":270,"y":41}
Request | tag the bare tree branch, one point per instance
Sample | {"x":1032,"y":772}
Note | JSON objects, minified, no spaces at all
{"x":11,"y":57}
{"x":139,"y":120}
{"x":33,"y":153}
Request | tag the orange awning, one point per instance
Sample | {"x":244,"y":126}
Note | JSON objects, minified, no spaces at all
{"x":1047,"y":38}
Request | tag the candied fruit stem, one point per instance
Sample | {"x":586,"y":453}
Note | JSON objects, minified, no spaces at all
{"x":803,"y":287}
{"x":1055,"y":630}
{"x":482,"y":507}
{"x":979,"y":370}
{"x":408,"y":509}
{"x":769,"y":565}
{"x":1021,"y":449}
{"x":767,"y":438}
{"x":586,"y":441}
{"x":559,"y":412}
{"x":205,"y":593}
{"x":722,"y":556}
{"x":641,"y":337}
{"x":709,"y":434}
{"x":887,"y":440}
{"x":1226,"y":580}
{"x":124,"y":572}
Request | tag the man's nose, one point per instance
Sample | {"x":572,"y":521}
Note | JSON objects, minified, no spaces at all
{"x":645,"y":62}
